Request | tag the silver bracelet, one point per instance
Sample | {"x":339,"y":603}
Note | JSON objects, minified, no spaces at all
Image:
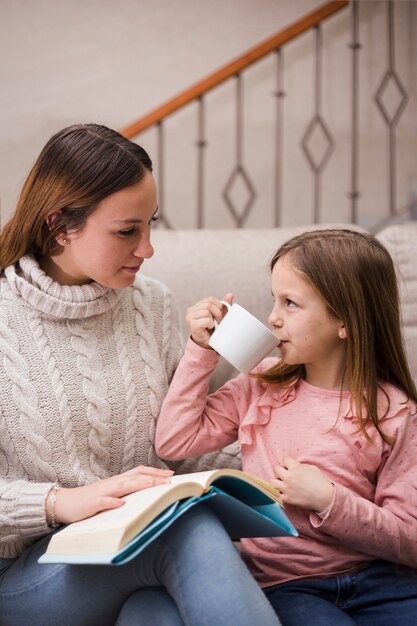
{"x":52,"y":500}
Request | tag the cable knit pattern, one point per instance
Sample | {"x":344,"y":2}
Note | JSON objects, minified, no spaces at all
{"x":166,"y":328}
{"x":60,"y":395}
{"x":131,"y":411}
{"x":37,"y":452}
{"x":156,"y":380}
{"x":89,"y":364}
{"x":83,"y":371}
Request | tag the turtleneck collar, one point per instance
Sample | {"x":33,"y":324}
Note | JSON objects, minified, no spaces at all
{"x":41,"y":292}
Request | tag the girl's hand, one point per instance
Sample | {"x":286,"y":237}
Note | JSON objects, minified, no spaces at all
{"x":200,"y":318}
{"x":80,"y":502}
{"x":303,"y":485}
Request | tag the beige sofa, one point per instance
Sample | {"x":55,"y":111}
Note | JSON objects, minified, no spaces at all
{"x":198,"y":263}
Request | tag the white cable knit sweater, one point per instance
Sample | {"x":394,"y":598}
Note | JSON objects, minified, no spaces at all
{"x":83,"y":371}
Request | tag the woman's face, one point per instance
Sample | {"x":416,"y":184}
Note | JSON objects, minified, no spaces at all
{"x":114,"y":241}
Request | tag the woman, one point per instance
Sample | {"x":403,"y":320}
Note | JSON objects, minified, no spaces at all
{"x":87,"y":352}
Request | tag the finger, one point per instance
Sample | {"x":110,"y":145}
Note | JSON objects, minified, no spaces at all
{"x":199,"y":314}
{"x":280,"y":471}
{"x":229,"y":298}
{"x":205,"y":321}
{"x":205,"y":313}
{"x":152,"y":471}
{"x":276,"y":482}
{"x":126,"y":486}
{"x":105,"y":503}
{"x":289,"y":462}
{"x":216,"y":310}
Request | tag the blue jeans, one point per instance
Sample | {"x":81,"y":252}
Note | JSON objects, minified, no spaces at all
{"x":192,"y":574}
{"x":382,"y":594}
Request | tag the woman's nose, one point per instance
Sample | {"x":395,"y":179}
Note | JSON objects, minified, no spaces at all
{"x":144,"y":249}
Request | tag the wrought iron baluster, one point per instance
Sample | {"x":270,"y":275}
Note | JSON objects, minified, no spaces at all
{"x":161,"y":198}
{"x":279,"y":139}
{"x":317,"y":123}
{"x":239,"y":171}
{"x":201,"y":145}
{"x":391,"y":121}
{"x":354,"y":193}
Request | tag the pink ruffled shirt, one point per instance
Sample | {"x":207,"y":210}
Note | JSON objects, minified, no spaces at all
{"x":374,"y":510}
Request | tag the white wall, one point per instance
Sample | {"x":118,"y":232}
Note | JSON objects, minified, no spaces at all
{"x":67,"y":61}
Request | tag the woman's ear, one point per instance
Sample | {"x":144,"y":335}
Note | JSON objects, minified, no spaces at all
{"x":342,"y":332}
{"x":52,"y":222}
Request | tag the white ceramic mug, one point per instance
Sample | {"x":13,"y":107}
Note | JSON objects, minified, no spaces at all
{"x":242,"y":339}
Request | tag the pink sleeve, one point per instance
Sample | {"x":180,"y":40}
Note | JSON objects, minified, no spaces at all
{"x":191,"y":422}
{"x":387,"y":527}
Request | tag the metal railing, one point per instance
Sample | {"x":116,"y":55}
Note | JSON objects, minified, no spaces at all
{"x":315,"y":128}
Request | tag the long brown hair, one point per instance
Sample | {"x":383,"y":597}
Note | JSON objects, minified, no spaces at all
{"x":78,"y":167}
{"x":355,"y":276}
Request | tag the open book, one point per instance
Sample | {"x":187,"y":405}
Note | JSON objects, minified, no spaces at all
{"x":246,"y":505}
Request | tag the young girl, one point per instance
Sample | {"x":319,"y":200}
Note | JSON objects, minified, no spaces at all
{"x":333,"y":422}
{"x":87,"y":351}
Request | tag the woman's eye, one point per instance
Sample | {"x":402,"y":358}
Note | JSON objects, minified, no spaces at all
{"x":127,"y":232}
{"x":154,"y":219}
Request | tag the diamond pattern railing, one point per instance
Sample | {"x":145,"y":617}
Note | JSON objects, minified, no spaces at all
{"x":241,"y":215}
{"x":317,"y":143}
{"x":391,"y":78}
{"x":391,"y":119}
{"x":239,"y":173}
{"x":317,"y":125}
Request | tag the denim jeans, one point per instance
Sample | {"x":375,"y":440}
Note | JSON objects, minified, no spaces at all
{"x":380,"y":595}
{"x":192,"y":574}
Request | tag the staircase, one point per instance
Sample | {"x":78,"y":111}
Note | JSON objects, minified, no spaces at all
{"x":310,"y":126}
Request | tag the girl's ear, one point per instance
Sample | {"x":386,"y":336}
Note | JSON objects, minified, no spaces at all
{"x":342,"y":332}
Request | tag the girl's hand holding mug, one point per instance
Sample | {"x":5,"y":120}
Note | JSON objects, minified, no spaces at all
{"x":77,"y":503}
{"x":200,"y":318}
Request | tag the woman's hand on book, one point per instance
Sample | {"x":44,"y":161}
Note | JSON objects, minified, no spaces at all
{"x":303,"y":485}
{"x":78,"y":503}
{"x":200,"y":318}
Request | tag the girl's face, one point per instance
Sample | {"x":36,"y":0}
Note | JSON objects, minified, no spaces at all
{"x":114,"y":241}
{"x":307,"y":332}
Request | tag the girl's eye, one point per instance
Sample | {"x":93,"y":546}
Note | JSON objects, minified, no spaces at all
{"x":127,"y":232}
{"x":154,"y":219}
{"x":290,"y":303}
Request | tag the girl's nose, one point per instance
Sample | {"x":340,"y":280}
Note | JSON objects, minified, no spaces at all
{"x":274,"y":320}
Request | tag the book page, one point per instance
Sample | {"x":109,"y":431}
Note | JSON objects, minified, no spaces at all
{"x":137,"y":502}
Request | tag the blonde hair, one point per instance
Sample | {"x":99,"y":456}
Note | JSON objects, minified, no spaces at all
{"x":78,"y":167}
{"x":355,"y":276}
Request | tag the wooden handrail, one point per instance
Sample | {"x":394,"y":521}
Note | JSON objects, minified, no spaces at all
{"x":234,"y":67}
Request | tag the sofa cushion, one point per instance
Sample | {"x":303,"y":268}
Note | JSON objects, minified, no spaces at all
{"x":401,"y":241}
